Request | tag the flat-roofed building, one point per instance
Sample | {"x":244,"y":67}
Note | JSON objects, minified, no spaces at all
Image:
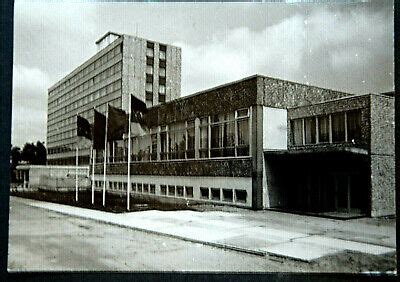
{"x":123,"y":65}
{"x":262,"y":142}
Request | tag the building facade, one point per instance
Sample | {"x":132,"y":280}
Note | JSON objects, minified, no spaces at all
{"x":264,"y":143}
{"x":123,"y":65}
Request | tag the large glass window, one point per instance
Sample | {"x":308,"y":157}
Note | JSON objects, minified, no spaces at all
{"x":297,"y":131}
{"x":223,"y":135}
{"x":310,"y":130}
{"x":190,"y":140}
{"x":153,"y":155}
{"x":243,"y":133}
{"x":203,"y":152}
{"x":163,"y":140}
{"x":177,"y":141}
{"x":354,"y":126}
{"x":338,"y":127}
{"x":323,"y":129}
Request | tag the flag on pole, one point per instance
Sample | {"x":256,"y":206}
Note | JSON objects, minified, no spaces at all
{"x":99,"y":130}
{"x":84,"y":128}
{"x":138,"y":109}
{"x":105,"y":158}
{"x":117,"y":123}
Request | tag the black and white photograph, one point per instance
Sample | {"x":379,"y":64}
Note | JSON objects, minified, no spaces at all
{"x":219,"y":137}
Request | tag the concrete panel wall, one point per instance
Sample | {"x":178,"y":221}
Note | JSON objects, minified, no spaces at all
{"x":232,"y":183}
{"x":382,"y":185}
{"x":382,"y":156}
{"x":274,"y":128}
{"x":286,"y":94}
{"x":133,"y":69}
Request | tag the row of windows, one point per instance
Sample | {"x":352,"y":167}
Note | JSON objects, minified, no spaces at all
{"x":85,"y":100}
{"x":145,"y":188}
{"x":99,"y":62}
{"x":225,"y":135}
{"x":55,"y":131}
{"x":206,"y":193}
{"x":337,"y":127}
{"x":88,"y":84}
{"x":150,"y":50}
{"x":150,"y":73}
{"x":226,"y":195}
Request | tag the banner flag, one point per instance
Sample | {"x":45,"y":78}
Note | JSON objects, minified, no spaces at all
{"x":117,"y":123}
{"x":99,"y":130}
{"x":138,"y":110}
{"x":84,"y":128}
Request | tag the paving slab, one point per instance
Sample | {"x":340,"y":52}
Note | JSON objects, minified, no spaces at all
{"x":347,"y":245}
{"x":226,"y":230}
{"x":300,"y":251}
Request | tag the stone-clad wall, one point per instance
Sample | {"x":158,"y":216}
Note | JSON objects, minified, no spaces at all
{"x":340,"y":105}
{"x":286,"y":94}
{"x":228,"y":168}
{"x":382,"y":156}
{"x":223,"y":99}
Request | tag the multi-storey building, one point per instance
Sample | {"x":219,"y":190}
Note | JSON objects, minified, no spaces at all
{"x":123,"y":65}
{"x":264,"y":143}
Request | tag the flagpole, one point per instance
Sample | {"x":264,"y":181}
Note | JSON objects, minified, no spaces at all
{"x":76,"y":172}
{"x":93,"y":164}
{"x":105,"y":160}
{"x":128,"y":193}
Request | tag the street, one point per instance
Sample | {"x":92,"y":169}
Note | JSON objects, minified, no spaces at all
{"x":43,"y":240}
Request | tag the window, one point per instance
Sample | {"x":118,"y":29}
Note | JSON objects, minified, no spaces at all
{"x":164,"y":148}
{"x":139,"y":187}
{"x":227,"y":195}
{"x":145,"y":188}
{"x":133,"y":187}
{"x":204,"y":193}
{"x":161,"y":89}
{"x":171,"y":190}
{"x":163,"y":49}
{"x":150,"y":49}
{"x":338,"y":127}
{"x":310,"y":130}
{"x":203,"y":137}
{"x":179,"y":191}
{"x":223,"y":135}
{"x":215,"y":194}
{"x":354,"y":126}
{"x":323,"y":129}
{"x":190,"y":139}
{"x":177,"y":141}
{"x":153,"y":155}
{"x":152,"y":189}
{"x":161,"y":98}
{"x":189,"y":191}
{"x":125,"y":186}
{"x":162,"y":72}
{"x":163,"y":190}
{"x":149,"y":69}
{"x":243,"y":133}
{"x":241,"y":196}
{"x":297,"y":131}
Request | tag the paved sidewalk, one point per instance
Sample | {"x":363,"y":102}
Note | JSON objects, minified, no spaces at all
{"x":265,"y":232}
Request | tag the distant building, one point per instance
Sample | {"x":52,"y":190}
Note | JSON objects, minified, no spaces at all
{"x":265,"y":143}
{"x":123,"y":65}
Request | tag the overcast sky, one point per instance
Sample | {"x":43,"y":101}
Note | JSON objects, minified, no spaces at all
{"x":342,"y":47}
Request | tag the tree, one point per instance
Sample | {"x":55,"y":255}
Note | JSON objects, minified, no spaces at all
{"x":41,"y":153}
{"x":34,"y":154}
{"x":15,"y":156}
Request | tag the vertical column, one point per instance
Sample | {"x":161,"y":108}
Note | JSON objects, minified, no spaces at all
{"x":257,"y":156}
